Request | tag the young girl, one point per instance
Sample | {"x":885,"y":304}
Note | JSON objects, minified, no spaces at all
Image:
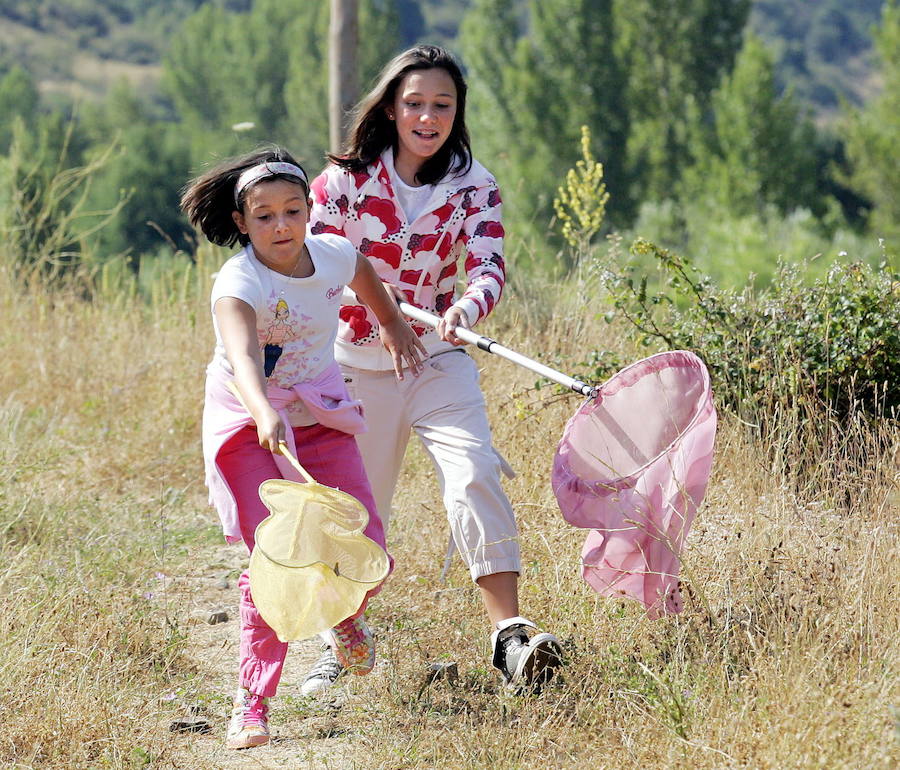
{"x":275,"y":312}
{"x":410,"y":197}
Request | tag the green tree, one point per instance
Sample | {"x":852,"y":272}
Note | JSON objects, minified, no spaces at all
{"x":675,"y":53}
{"x":44,"y":189}
{"x":224,"y":69}
{"x":266,"y":67}
{"x":586,"y":90}
{"x":759,"y":150}
{"x":488,"y":38}
{"x":200,"y":73}
{"x":147,"y":173}
{"x":306,"y":89}
{"x":872,"y":135}
{"x":380,"y":29}
{"x":530,"y":96}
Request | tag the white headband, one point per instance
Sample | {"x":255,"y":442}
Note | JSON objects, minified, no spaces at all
{"x":263,"y":170}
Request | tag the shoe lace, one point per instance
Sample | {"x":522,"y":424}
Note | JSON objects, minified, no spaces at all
{"x":326,"y":667}
{"x":350,"y":633}
{"x":254,"y":710}
{"x":510,"y":644}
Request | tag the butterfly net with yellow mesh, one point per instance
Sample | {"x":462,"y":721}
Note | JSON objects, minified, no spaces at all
{"x":312,"y":566}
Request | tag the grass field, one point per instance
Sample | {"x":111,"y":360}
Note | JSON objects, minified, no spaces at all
{"x":786,"y":655}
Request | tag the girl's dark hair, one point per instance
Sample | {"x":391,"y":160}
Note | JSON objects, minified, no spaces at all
{"x":209,"y":202}
{"x":372,"y":131}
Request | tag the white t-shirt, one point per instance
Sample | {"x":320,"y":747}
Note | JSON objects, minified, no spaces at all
{"x":296,"y":318}
{"x":412,"y":200}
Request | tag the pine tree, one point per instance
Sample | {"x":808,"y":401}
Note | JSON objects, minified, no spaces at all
{"x":675,"y":52}
{"x":148,"y":170}
{"x":534,"y":82}
{"x":265,"y":70}
{"x":488,"y":36}
{"x":306,"y":91}
{"x":575,"y":42}
{"x":18,"y":99}
{"x":872,"y":135}
{"x":760,"y":150}
{"x":201,"y":74}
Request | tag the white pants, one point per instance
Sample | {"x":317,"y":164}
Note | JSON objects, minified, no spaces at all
{"x":445,"y":407}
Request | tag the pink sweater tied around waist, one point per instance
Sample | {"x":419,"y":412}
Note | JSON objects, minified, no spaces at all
{"x":325,"y":397}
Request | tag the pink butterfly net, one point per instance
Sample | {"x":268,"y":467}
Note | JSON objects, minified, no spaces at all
{"x":632,"y":467}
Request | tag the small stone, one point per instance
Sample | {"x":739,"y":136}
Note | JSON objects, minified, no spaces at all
{"x":190,"y":726}
{"x":438,"y":670}
{"x":218,"y":617}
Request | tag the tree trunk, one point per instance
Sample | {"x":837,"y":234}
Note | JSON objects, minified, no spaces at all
{"x":343,"y":80}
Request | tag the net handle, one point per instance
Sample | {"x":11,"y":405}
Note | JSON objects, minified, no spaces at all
{"x":492,"y":346}
{"x":286,"y":452}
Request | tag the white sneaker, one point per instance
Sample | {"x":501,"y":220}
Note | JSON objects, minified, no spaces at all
{"x":249,"y":724}
{"x":527,"y":658}
{"x":323,"y":674}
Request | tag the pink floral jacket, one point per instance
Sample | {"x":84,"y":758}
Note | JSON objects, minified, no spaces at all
{"x":462,"y":216}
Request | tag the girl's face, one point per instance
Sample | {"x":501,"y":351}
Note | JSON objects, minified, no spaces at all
{"x":274,"y":217}
{"x":424,"y":109}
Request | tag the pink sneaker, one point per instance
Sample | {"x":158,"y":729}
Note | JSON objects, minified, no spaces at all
{"x":249,"y":724}
{"x":354,"y":645}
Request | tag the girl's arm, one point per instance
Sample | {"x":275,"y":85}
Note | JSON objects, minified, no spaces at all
{"x":237,"y":325}
{"x":396,"y":335}
{"x":482,"y":234}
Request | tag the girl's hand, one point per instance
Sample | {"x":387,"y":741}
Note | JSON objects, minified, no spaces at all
{"x":446,"y":327}
{"x":403,"y":344}
{"x":270,"y":429}
{"x":396,"y":335}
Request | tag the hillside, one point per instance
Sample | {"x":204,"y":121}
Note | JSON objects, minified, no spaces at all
{"x":73,"y":71}
{"x":78,"y":48}
{"x":823,"y":49}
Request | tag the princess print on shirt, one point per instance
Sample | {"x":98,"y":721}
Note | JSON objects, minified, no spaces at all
{"x":281,"y":330}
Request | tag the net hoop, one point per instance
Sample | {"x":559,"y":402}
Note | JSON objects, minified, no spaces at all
{"x":567,"y":480}
{"x":312,"y":565}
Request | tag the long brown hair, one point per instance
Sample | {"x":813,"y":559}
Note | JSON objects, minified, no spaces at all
{"x":209,"y":201}
{"x":372,"y":132}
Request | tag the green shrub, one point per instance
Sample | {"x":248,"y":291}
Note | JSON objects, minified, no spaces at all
{"x":832,"y":340}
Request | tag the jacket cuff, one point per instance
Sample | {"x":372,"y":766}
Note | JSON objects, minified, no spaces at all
{"x":470,"y":308}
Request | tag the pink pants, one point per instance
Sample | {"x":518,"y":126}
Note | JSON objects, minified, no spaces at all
{"x":332,"y":458}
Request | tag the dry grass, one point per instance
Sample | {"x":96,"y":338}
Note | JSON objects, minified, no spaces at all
{"x":786,"y":656}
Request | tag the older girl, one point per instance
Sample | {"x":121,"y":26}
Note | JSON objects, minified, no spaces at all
{"x":409,"y":195}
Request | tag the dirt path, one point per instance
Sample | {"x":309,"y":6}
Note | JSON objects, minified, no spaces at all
{"x":305,"y":732}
